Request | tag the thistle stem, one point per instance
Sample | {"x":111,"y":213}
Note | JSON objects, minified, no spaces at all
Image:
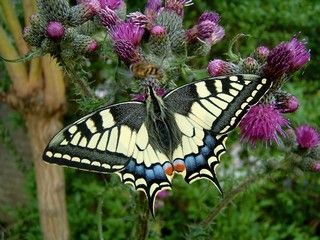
{"x":142,"y":227}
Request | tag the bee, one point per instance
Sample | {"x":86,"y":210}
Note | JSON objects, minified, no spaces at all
{"x":143,"y":70}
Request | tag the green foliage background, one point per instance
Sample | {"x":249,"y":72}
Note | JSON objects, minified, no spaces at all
{"x":284,"y":209}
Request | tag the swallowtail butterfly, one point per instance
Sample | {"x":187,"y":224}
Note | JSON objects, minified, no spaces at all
{"x":146,"y":143}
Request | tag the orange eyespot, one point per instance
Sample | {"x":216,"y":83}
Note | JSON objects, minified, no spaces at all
{"x":168,"y":169}
{"x":179,"y":166}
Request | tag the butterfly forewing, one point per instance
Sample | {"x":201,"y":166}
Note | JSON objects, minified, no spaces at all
{"x":205,"y":112}
{"x":102,"y":141}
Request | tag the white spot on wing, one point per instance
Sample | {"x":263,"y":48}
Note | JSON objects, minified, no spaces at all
{"x":75,"y":139}
{"x":202,"y":90}
{"x":211,"y":107}
{"x":94,"y":140}
{"x":85,"y":161}
{"x":49,"y":154}
{"x":72,"y":129}
{"x":64,"y":142}
{"x":177,"y":153}
{"x":107,"y":119}
{"x":113,"y":139}
{"x":75,"y":159}
{"x":142,"y":137}
{"x":66,"y":156}
{"x":124,"y":139}
{"x":83,"y":142}
{"x":218,"y":102}
{"x":202,"y":114}
{"x":91,"y":126}
{"x":57,"y":155}
{"x":184,"y":125}
{"x":95,"y":163}
{"x":218,"y":86}
{"x":225,"y":97}
{"x":102,"y":145}
{"x":237,"y":86}
{"x":233,"y":78}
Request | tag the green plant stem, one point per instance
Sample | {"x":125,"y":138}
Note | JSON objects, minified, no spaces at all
{"x":99,"y":213}
{"x":143,"y":212}
{"x":229,"y":198}
{"x":82,"y":85}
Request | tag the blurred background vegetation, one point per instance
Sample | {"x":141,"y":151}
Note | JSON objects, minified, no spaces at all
{"x":287,"y":208}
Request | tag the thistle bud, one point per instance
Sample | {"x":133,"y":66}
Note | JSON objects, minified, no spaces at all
{"x":83,"y":44}
{"x":159,"y":42}
{"x":250,"y":65}
{"x":153,"y":7}
{"x":261,"y":53}
{"x":219,"y":67}
{"x":55,"y":30}
{"x":285,"y":102}
{"x":177,"y":6}
{"x":54,"y":10}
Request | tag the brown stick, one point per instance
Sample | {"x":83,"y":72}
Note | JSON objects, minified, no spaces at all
{"x":14,"y":25}
{"x":50,"y":179}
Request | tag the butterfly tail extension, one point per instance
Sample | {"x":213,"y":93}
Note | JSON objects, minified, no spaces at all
{"x":150,"y":180}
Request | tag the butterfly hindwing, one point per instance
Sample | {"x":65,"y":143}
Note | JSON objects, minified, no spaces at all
{"x":205,"y":112}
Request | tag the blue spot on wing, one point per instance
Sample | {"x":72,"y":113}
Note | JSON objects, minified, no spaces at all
{"x":151,"y":174}
{"x":196,"y":162}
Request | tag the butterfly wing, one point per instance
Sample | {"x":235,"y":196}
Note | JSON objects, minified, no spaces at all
{"x":113,"y":139}
{"x":205,"y":112}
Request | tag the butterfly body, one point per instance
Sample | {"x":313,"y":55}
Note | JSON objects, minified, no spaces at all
{"x":146,"y":143}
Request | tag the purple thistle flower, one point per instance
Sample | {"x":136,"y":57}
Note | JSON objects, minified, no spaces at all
{"x":93,"y":6}
{"x":127,"y":31}
{"x":286,"y":103}
{"x":279,"y":61}
{"x":307,"y":137}
{"x":209,"y":16}
{"x":177,"y":6}
{"x":55,"y":30}
{"x":108,"y":17}
{"x":139,"y":19}
{"x":210,"y":32}
{"x":261,"y":53}
{"x":163,"y":194}
{"x":300,"y":54}
{"x":160,"y":91}
{"x":126,"y":51}
{"x":112,"y":4}
{"x":316,"y":166}
{"x":153,"y":7}
{"x":139,"y":97}
{"x":219,"y":67}
{"x":262,"y":122}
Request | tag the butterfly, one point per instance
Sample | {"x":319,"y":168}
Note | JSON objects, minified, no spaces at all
{"x":146,"y":143}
